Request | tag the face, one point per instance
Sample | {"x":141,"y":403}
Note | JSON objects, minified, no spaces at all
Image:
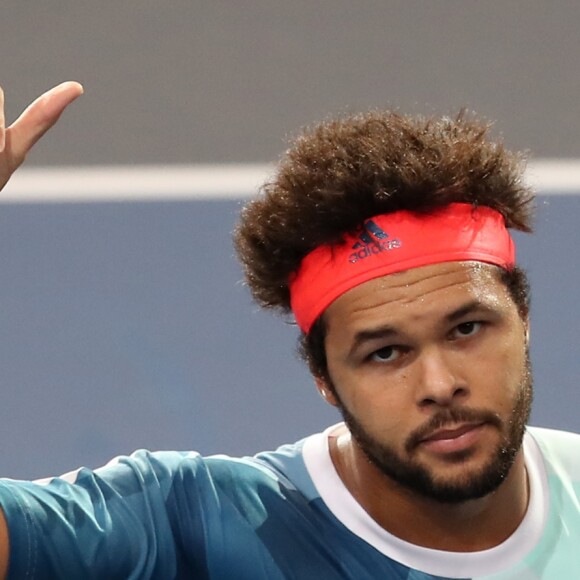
{"x":430,"y":370}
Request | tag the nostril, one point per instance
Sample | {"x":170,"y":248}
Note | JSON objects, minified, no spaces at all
{"x":426,"y":403}
{"x":443,"y":399}
{"x":460,"y":392}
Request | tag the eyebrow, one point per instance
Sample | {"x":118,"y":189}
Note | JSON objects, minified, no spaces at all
{"x":388,"y":331}
{"x":385,"y":331}
{"x":472,"y":306}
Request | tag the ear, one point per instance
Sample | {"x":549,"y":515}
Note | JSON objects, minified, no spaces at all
{"x":527,"y":330}
{"x":325,"y":391}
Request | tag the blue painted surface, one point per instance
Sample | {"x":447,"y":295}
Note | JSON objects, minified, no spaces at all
{"x":126,"y":325}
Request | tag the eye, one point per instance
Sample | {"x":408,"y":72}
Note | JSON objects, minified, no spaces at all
{"x":467,"y":329}
{"x":385,"y":354}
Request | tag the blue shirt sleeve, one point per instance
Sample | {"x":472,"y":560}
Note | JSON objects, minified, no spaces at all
{"x":113,"y":522}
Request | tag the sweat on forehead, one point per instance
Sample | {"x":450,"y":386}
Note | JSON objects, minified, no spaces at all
{"x":394,"y":242}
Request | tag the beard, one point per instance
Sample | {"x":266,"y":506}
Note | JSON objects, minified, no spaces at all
{"x":416,"y":477}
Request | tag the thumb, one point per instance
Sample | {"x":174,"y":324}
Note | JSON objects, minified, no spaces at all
{"x":39,"y":117}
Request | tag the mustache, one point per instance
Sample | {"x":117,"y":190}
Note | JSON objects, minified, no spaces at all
{"x":449,"y":417}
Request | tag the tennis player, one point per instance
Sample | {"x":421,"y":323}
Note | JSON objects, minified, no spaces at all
{"x":387,"y":237}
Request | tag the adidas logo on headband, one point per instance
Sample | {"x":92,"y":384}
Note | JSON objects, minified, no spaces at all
{"x":371,"y":241}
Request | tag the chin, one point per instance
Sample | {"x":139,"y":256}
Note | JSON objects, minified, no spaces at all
{"x":453,"y":478}
{"x":472,"y":484}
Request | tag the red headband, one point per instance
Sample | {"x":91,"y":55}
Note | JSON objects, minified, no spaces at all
{"x":395,"y":242}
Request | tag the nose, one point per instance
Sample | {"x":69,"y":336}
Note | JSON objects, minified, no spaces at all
{"x":439,"y":380}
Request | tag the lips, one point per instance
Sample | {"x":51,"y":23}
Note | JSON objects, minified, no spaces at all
{"x":453,"y":439}
{"x":451,"y":433}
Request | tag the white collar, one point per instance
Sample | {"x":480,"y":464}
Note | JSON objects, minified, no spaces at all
{"x":436,"y":562}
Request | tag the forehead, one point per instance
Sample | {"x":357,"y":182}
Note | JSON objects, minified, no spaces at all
{"x":420,"y":293}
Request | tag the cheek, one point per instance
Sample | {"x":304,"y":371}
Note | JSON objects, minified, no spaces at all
{"x":383,"y":409}
{"x":501,"y":373}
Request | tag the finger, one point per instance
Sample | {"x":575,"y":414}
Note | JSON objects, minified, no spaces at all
{"x":40,"y":116}
{"x":2,"y":139}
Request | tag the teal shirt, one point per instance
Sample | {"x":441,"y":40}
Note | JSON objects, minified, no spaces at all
{"x":283,"y":514}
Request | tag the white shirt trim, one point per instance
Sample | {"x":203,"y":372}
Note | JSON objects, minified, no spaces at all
{"x":439,"y":563}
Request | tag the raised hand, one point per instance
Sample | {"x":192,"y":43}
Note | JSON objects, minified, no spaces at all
{"x":17,"y":139}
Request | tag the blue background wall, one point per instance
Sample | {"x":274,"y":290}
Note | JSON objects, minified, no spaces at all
{"x":125,"y":325}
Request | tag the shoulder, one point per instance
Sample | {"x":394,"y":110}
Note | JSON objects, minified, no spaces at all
{"x":164,"y":469}
{"x":268,"y":466}
{"x":560,"y":449}
{"x":554,"y":434}
{"x":555,"y":438}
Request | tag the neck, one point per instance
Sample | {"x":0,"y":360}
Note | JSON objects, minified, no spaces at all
{"x":468,"y":526}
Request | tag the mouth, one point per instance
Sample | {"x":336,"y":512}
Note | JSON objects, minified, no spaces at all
{"x":453,"y":439}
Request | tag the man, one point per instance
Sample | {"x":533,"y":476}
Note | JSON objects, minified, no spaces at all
{"x":387,"y":238}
